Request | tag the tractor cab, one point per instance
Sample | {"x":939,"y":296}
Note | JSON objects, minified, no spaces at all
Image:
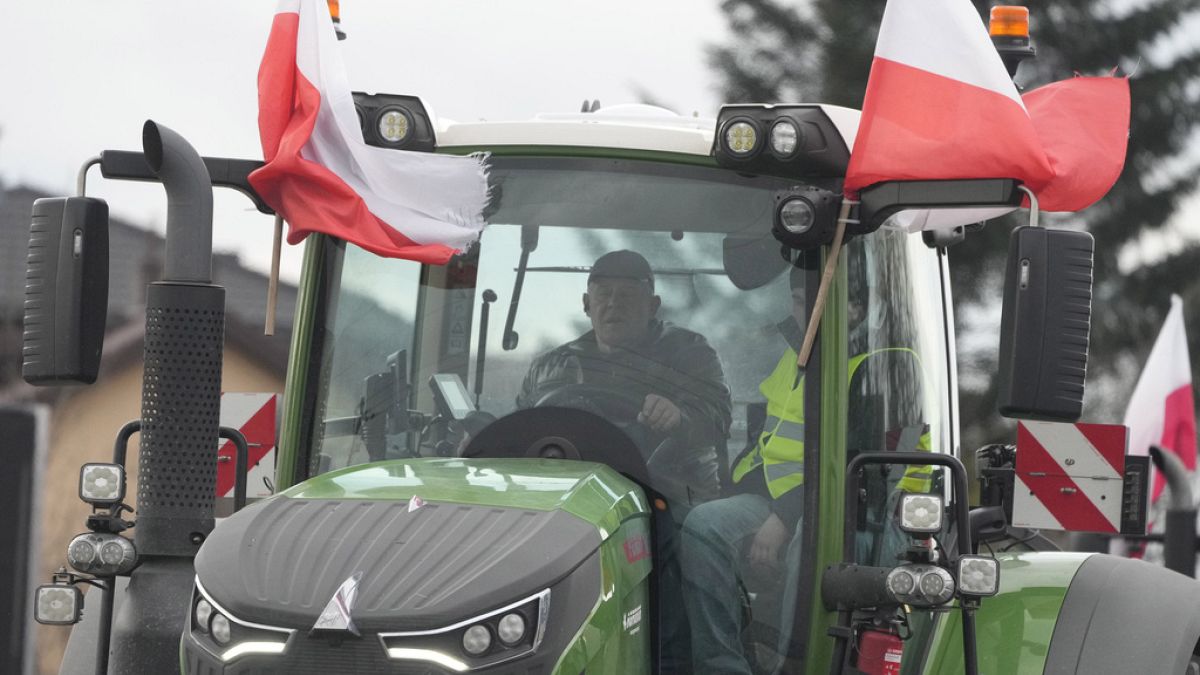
{"x":500,"y":412}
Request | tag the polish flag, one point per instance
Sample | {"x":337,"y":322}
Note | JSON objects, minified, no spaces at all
{"x":940,"y":105}
{"x":1162,"y":409}
{"x":322,"y":177}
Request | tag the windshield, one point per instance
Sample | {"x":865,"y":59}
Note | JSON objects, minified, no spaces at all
{"x":643,"y":315}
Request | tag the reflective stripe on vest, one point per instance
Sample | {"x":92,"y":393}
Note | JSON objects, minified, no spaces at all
{"x":780,"y":447}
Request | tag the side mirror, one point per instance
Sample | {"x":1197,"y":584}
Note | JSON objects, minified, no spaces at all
{"x":1045,"y":322}
{"x":66,"y":291}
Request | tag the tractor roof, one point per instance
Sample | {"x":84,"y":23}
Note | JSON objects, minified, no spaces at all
{"x":627,"y":127}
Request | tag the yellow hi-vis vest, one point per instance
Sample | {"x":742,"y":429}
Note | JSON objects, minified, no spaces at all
{"x":780,"y":447}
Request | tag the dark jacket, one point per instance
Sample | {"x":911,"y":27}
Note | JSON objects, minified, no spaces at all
{"x":672,"y":362}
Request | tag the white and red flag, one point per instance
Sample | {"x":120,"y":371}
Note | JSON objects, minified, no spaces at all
{"x":322,"y":177}
{"x":1162,"y":409}
{"x":940,"y":105}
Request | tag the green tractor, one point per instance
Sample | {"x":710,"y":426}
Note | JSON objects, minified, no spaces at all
{"x":466,"y":492}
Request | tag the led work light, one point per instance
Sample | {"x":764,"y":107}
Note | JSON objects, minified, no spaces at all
{"x":921,"y":514}
{"x":394,"y":121}
{"x":741,"y":138}
{"x":978,"y":576}
{"x":102,"y":484}
{"x":799,"y":141}
{"x":805,"y":217}
{"x":785,"y":138}
{"x":58,"y":605}
{"x":394,"y":125}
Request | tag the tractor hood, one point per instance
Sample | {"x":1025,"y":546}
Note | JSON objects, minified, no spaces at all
{"x":435,"y":541}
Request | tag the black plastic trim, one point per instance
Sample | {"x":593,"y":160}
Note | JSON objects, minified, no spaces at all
{"x":1125,"y":616}
{"x":883,"y":200}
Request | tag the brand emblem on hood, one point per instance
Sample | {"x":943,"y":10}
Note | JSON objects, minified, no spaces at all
{"x":336,"y":615}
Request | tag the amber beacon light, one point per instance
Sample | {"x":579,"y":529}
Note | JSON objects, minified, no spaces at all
{"x":335,"y":12}
{"x":1009,"y":28}
{"x":1009,"y":21}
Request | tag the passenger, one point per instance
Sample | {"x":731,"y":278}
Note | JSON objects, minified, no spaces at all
{"x":725,"y":542}
{"x":762,"y":514}
{"x":666,"y":379}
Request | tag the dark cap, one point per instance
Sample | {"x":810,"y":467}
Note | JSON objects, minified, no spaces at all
{"x":624,"y":264}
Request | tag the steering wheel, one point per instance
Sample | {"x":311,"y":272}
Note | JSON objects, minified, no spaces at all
{"x":614,"y":405}
{"x":560,"y":433}
{"x":608,"y":402}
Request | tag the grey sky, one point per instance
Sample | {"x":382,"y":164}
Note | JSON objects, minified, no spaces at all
{"x":81,"y":76}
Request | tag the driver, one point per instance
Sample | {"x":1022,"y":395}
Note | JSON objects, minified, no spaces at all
{"x":670,"y":376}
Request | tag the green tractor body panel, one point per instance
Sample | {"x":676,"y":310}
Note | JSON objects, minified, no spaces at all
{"x":593,"y":492}
{"x":1014,"y":628}
{"x":622,"y":609}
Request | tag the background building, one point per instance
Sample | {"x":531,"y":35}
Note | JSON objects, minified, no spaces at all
{"x":84,"y":420}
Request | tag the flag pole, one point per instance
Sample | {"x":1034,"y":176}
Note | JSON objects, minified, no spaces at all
{"x":810,"y":335}
{"x":273,"y":282}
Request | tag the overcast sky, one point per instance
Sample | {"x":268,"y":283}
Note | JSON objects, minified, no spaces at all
{"x":81,"y":76}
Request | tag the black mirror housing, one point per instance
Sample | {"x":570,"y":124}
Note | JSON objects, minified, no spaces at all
{"x":1045,"y":324}
{"x":66,"y":291}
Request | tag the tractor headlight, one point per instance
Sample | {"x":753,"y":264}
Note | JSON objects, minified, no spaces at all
{"x":225,"y":636}
{"x":900,"y":582}
{"x":58,"y":605}
{"x":102,"y":554}
{"x":202,"y":614}
{"x":479,"y":642}
{"x":511,"y":628}
{"x":920,"y":585}
{"x":978,"y":576}
{"x":102,"y":484}
{"x":220,"y":629}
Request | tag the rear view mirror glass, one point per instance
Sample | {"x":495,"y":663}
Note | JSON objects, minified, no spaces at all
{"x":1045,"y":324}
{"x":66,"y":291}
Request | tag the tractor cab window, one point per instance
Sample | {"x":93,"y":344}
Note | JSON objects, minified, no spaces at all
{"x":635,"y":314}
{"x":898,"y":395}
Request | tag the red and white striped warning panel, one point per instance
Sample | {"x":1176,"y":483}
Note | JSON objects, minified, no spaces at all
{"x":254,"y":416}
{"x":1069,"y":476}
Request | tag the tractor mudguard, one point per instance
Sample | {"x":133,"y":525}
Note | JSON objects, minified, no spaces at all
{"x":1125,"y":616}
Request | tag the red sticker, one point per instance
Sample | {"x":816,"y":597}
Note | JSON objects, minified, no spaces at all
{"x":635,"y":549}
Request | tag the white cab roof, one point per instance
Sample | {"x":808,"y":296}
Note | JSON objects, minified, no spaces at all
{"x":627,"y":127}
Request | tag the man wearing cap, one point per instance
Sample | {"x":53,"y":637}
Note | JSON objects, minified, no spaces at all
{"x":670,"y":377}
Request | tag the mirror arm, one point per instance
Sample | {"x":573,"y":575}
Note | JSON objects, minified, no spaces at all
{"x":883,"y":200}
{"x":223,"y":172}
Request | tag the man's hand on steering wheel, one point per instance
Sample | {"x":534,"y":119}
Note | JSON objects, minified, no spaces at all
{"x":660,"y":414}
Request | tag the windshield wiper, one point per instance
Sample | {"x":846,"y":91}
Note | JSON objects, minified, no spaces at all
{"x":489,"y":296}
{"x":529,"y":242}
